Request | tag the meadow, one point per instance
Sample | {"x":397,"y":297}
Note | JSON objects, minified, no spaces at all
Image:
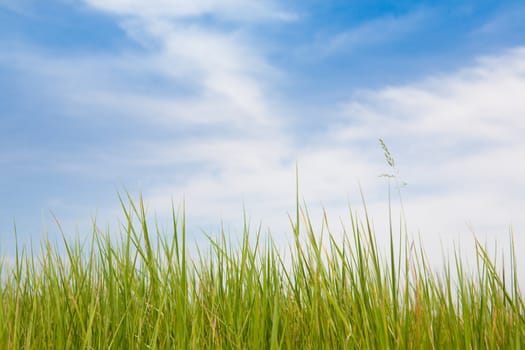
{"x":140,"y":288}
{"x":143,"y":290}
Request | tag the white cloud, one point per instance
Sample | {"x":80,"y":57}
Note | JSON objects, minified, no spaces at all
{"x":459,"y":142}
{"x":238,"y":10}
{"x":457,"y":137}
{"x":218,"y":82}
{"x":482,"y":104}
{"x":224,"y":64}
{"x":223,"y":76}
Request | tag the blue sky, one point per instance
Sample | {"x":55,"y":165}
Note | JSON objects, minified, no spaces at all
{"x":216,"y":101}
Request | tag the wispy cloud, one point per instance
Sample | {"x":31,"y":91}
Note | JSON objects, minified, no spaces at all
{"x":507,"y":20}
{"x":477,"y":104}
{"x":216,"y":83}
{"x":196,"y":113}
{"x":238,"y":10}
{"x":375,"y":32}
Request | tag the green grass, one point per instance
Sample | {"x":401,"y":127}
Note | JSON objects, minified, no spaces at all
{"x":142,"y":290}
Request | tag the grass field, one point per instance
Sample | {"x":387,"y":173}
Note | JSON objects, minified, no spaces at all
{"x":142,"y":290}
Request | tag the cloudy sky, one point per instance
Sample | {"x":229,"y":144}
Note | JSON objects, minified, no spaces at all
{"x":216,"y":101}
